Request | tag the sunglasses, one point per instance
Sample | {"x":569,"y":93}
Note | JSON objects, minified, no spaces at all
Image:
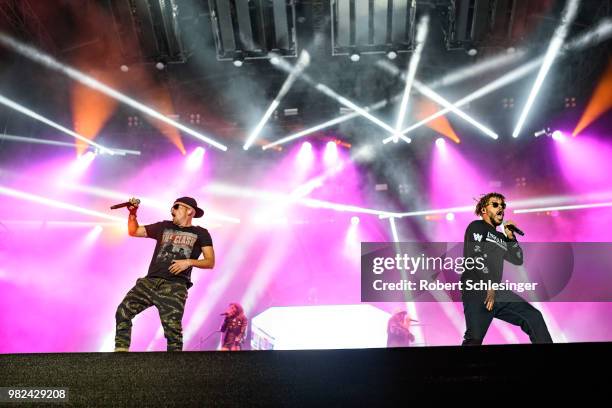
{"x":176,"y":206}
{"x":496,"y":204}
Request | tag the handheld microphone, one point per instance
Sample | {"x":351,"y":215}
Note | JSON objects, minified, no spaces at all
{"x":132,"y":201}
{"x":224,"y":314}
{"x":514,"y":229}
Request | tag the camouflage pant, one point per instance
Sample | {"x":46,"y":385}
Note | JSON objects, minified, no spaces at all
{"x":169,"y":299}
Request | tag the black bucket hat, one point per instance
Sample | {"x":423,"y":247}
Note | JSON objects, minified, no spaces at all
{"x":191,"y":202}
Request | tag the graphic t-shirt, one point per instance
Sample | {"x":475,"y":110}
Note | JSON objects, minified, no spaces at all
{"x":174,"y":242}
{"x":482,"y":240}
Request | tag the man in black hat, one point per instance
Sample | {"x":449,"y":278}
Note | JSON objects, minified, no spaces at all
{"x":169,"y":276}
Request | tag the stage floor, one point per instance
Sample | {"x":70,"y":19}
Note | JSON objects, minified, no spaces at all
{"x":363,"y":377}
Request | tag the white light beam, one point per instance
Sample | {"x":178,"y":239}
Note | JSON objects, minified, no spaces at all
{"x":284,"y":199}
{"x":324,"y":125}
{"x":20,"y":108}
{"x":569,"y":13}
{"x":23,"y":139}
{"x":428,"y":92}
{"x":51,"y":63}
{"x":602,"y":32}
{"x":500,"y":82}
{"x":284,"y":65}
{"x":434,"y":96}
{"x":563,"y":208}
{"x":393,"y":229}
{"x":302,"y":63}
{"x":421,"y":36}
{"x":117,"y":195}
{"x":54,"y":203}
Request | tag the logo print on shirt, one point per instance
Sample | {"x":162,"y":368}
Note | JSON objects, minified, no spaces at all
{"x":176,"y":245}
{"x":497,"y":241}
{"x":477,"y":237}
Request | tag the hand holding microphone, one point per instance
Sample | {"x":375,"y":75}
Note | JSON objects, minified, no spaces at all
{"x":132,"y":202}
{"x":509,"y":225}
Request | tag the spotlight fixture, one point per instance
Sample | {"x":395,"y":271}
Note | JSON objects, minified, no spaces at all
{"x":238,"y":61}
{"x":124,"y":68}
{"x":330,"y":157}
{"x":392,"y":54}
{"x":195,"y":159}
{"x":160,"y":65}
{"x":543,"y":132}
{"x":305,"y":155}
{"x":472,"y":52}
{"x":558,"y":136}
{"x":355,"y":56}
{"x":440,"y":142}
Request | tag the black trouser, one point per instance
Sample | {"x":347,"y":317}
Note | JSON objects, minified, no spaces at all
{"x":167,"y":296}
{"x":508,"y":307}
